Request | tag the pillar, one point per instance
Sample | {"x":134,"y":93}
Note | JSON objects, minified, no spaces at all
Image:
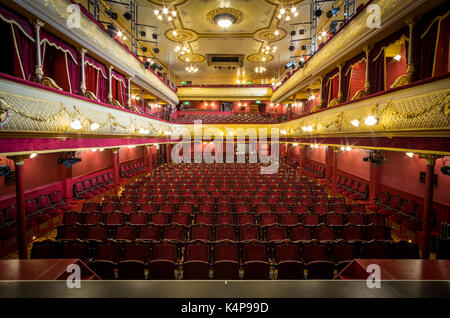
{"x":334,"y":173}
{"x":427,"y":205}
{"x":39,"y":71}
{"x":366,"y":81}
{"x":66,"y":179}
{"x":83,"y":72}
{"x":329,"y":162}
{"x":374,"y":181}
{"x":150,"y":159}
{"x":20,"y":204}
{"x":110,"y":97}
{"x":129,"y":93}
{"x":115,"y":153}
{"x":168,"y":152}
{"x":300,"y":159}
{"x":410,"y":63}
{"x":340,"y":95}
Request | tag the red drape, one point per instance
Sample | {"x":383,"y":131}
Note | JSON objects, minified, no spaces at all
{"x":325,"y":89}
{"x":427,"y":34}
{"x":96,"y":78}
{"x":441,"y":65}
{"x":119,"y":90}
{"x":348,"y":79}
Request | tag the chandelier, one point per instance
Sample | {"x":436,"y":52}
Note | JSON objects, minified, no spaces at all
{"x":182,"y":49}
{"x":287,"y":13}
{"x":165,"y":13}
{"x":267,"y":49}
{"x":192,"y":69}
{"x":260,"y":69}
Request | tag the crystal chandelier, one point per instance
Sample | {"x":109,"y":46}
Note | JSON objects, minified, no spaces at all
{"x":260,"y":69}
{"x":287,"y":13}
{"x":192,"y":69}
{"x":165,"y":13}
{"x":267,"y":49}
{"x":182,"y":49}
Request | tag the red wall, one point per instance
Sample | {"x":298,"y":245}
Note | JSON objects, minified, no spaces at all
{"x":316,"y":154}
{"x":352,"y":162}
{"x":130,"y":154}
{"x":395,"y":69}
{"x":92,"y":162}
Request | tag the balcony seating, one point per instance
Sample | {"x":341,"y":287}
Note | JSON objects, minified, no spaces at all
{"x":131,"y":170}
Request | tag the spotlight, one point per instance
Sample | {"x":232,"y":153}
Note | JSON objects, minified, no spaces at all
{"x":445,"y":170}
{"x":410,"y":154}
{"x":147,"y":64}
{"x":291,"y":48}
{"x":293,"y":33}
{"x":144,"y":49}
{"x":156,"y":50}
{"x":301,"y":31}
{"x":112,"y":15}
{"x":154,"y":36}
{"x":4,"y":170}
{"x":304,"y":47}
{"x":111,"y":29}
{"x":376,"y":157}
{"x":318,"y":13}
{"x":334,"y":27}
{"x":127,"y":16}
{"x":143,"y":33}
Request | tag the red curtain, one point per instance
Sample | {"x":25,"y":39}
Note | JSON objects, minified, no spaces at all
{"x":357,"y":79}
{"x":427,"y":36}
{"x":347,"y":76}
{"x":377,"y":60}
{"x":441,"y":65}
{"x":325,"y":89}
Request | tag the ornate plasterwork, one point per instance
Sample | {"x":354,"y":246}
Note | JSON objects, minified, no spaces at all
{"x":354,"y":36}
{"x":193,"y":58}
{"x":96,"y":39}
{"x":268,"y":34}
{"x":414,"y":111}
{"x":236,"y":13}
{"x":33,"y":110}
{"x":258,"y":58}
{"x":184,"y":35}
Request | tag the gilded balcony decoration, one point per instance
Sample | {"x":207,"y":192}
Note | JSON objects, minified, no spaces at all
{"x":27,"y":109}
{"x":350,"y":39}
{"x":94,"y":39}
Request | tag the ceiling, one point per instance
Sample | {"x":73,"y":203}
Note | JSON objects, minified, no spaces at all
{"x":254,"y":30}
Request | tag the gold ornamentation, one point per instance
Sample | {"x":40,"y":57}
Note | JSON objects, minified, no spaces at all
{"x":258,"y":58}
{"x":429,"y":158}
{"x":401,"y":81}
{"x":236,"y":13}
{"x":184,"y":35}
{"x":50,"y":82}
{"x":333,"y":102}
{"x":193,"y":58}
{"x":359,"y":94}
{"x":268,"y":35}
{"x":92,"y":96}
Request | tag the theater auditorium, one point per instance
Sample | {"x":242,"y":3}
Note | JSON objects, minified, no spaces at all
{"x":224,"y":148}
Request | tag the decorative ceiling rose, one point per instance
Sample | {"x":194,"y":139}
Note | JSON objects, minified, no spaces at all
{"x":183,"y":35}
{"x":191,"y":58}
{"x":269,"y":34}
{"x":224,"y":17}
{"x":259,"y":58}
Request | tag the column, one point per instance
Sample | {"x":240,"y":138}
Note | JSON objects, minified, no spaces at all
{"x":83,"y":73}
{"x":20,"y":204}
{"x":329,"y":163}
{"x":129,"y":93}
{"x":374,"y":181}
{"x":66,"y":179}
{"x":168,"y":152}
{"x":39,"y":71}
{"x":334,"y":174}
{"x":300,"y":159}
{"x":340,"y":95}
{"x":410,"y":63}
{"x":115,"y":153}
{"x":320,"y":93}
{"x":367,"y":82}
{"x":427,"y":204}
{"x":150,"y":159}
{"x":110,"y":97}
{"x":142,"y":101}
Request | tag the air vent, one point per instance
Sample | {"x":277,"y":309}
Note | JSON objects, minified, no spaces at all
{"x":225,"y":61}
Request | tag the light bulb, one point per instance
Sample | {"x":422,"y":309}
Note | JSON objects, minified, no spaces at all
{"x":174,"y":13}
{"x":95,"y":126}
{"x":276,"y":33}
{"x":174,"y":33}
{"x":293,"y":9}
{"x":288,"y":18}
{"x":355,"y":122}
{"x":348,"y":148}
{"x":370,"y":120}
{"x":342,"y":148}
{"x":398,"y":57}
{"x":156,"y":12}
{"x":33,"y":155}
{"x":282,"y":11}
{"x":76,"y":124}
{"x":410,"y":154}
{"x":165,"y":10}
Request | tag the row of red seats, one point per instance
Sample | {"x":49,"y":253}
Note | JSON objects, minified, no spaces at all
{"x":353,"y":189}
{"x":174,"y":231}
{"x":222,"y":218}
{"x":313,"y":170}
{"x":257,"y":207}
{"x":38,"y":210}
{"x":92,"y":187}
{"x":220,"y":260}
{"x":132,"y":170}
